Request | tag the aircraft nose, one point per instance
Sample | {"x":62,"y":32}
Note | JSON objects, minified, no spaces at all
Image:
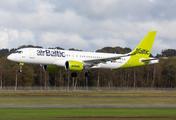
{"x":11,"y":58}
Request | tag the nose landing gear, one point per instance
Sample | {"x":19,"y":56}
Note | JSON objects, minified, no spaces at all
{"x":20,"y":64}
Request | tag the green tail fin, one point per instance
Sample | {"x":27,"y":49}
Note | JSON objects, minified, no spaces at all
{"x":145,"y":46}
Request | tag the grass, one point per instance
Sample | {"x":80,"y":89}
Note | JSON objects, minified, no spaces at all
{"x":88,"y":93}
{"x":82,"y":113}
{"x":87,"y":98}
{"x":87,"y":101}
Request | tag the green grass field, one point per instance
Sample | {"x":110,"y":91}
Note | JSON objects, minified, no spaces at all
{"x":87,"y":98}
{"x":89,"y":93}
{"x":89,"y":113}
{"x":87,"y":101}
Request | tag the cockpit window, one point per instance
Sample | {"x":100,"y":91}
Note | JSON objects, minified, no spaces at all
{"x":18,"y":52}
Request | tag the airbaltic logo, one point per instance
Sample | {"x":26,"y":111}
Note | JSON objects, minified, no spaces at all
{"x":75,"y":66}
{"x":53,"y":53}
{"x":142,"y":51}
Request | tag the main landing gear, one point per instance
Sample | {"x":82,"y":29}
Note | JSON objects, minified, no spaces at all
{"x":74,"y":74}
{"x":87,"y":74}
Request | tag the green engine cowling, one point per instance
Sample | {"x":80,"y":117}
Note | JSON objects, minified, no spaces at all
{"x":73,"y":65}
{"x":51,"y":68}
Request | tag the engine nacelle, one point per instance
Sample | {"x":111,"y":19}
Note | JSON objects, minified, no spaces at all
{"x":51,"y":68}
{"x":73,"y":65}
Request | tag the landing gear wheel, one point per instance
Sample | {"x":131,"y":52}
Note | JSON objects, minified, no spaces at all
{"x":20,"y":71}
{"x":74,"y":74}
{"x":87,"y":74}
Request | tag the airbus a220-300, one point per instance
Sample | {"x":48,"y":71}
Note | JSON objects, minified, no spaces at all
{"x":53,"y":59}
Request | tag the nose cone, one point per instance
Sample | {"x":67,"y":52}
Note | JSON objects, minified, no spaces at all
{"x":11,"y":58}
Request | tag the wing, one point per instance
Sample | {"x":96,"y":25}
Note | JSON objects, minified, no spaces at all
{"x":94,"y":62}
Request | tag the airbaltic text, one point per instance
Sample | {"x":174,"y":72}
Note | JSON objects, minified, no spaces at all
{"x":53,"y":53}
{"x":142,"y":51}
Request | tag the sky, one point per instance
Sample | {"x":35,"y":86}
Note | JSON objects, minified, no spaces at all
{"x":87,"y":24}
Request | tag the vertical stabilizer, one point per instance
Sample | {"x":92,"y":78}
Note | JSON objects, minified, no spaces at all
{"x":145,"y":46}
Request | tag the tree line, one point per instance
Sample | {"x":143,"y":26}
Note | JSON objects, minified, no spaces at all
{"x":156,"y":75}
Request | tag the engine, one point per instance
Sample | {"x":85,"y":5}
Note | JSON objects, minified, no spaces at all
{"x":51,"y":68}
{"x":73,"y":65}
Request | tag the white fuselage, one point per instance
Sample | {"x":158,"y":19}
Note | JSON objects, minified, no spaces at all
{"x":59,"y":57}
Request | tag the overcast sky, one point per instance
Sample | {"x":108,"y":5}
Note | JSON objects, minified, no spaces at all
{"x":87,"y":24}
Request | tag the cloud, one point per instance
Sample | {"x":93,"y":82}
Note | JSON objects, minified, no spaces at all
{"x":61,"y":39}
{"x":158,"y":44}
{"x":3,"y":39}
{"x":108,"y":42}
{"x":87,"y":24}
{"x":131,"y":10}
{"x":12,"y":37}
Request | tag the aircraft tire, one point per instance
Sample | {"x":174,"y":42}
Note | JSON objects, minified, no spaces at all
{"x":74,"y":74}
{"x":87,"y":74}
{"x":20,"y":71}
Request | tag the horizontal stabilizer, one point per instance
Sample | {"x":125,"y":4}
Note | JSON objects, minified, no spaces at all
{"x":148,"y":60}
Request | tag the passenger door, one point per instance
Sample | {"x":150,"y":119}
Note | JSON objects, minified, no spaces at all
{"x":32,"y":54}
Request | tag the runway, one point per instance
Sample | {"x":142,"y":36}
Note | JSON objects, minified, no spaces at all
{"x":87,"y":106}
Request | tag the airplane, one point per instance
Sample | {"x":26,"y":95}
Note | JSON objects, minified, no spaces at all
{"x":54,"y":59}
